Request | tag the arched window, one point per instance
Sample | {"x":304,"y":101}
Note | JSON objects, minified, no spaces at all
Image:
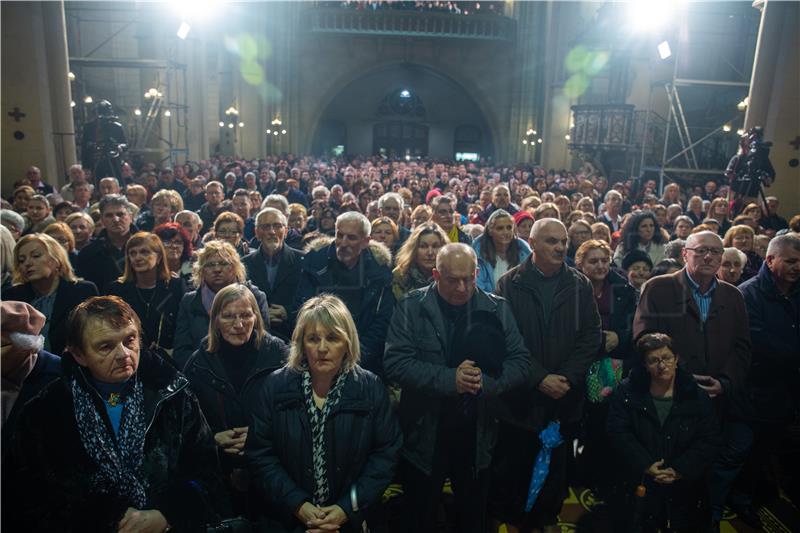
{"x":400,"y":139}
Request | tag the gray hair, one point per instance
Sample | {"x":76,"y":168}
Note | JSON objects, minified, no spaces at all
{"x":695,"y":236}
{"x":780,"y":243}
{"x":742,"y":256}
{"x":320,"y":188}
{"x":454,"y":249}
{"x":391,"y":196}
{"x":195,"y":216}
{"x":273,"y":211}
{"x":276,"y":198}
{"x":610,"y":193}
{"x":12,"y":217}
{"x":115,"y":200}
{"x":355,"y":216}
{"x":673,"y":249}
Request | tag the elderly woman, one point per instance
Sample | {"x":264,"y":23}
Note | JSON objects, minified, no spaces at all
{"x":732,"y":265}
{"x":323,"y":443}
{"x":118,"y":443}
{"x":63,"y":234}
{"x":663,"y":433}
{"x":683,"y":228}
{"x":641,"y":232}
{"x":7,"y":244}
{"x":227,"y":368}
{"x":12,"y":221}
{"x":417,"y":258}
{"x":384,"y":230}
{"x":694,"y":210}
{"x":150,"y":289}
{"x":217,"y":266}
{"x":44,"y":278}
{"x":578,"y":233}
{"x":742,"y":237}
{"x":178,"y":244}
{"x":498,"y":249}
{"x":229,"y":227}
{"x":637,"y":266}
{"x":82,"y":226}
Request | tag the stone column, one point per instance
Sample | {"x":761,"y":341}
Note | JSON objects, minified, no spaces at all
{"x":775,"y":97}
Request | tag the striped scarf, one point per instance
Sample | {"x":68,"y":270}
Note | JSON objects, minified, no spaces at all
{"x":318,"y":419}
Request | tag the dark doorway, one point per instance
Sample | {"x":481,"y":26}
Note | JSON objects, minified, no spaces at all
{"x":399,"y":139}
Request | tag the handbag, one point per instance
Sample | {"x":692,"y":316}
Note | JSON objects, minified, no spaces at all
{"x":602,"y":378}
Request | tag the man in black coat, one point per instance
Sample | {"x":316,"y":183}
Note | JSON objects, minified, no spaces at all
{"x":103,"y":259}
{"x":274,"y":268}
{"x":773,"y":307}
{"x":215,"y":194}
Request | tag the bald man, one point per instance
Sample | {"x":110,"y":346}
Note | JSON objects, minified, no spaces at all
{"x":553,"y":305}
{"x":448,"y":431}
{"x":707,"y":320}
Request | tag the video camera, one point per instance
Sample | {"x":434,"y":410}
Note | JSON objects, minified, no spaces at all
{"x":751,"y":167}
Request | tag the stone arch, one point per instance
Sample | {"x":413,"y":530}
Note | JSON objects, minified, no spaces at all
{"x":345,"y":79}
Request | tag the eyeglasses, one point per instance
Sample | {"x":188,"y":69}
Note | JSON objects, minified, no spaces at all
{"x":232,"y":318}
{"x":173,"y":244}
{"x":216,"y":264}
{"x":666,"y":360}
{"x":705,"y":250}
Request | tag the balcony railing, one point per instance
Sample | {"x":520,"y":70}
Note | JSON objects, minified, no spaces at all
{"x":411,"y":24}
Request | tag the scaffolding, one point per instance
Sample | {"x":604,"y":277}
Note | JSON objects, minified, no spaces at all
{"x":684,"y":135}
{"x":169,"y":102}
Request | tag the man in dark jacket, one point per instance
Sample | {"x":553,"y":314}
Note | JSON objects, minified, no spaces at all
{"x":274,"y":268}
{"x":118,"y":443}
{"x":103,"y":259}
{"x":360,"y":273}
{"x":447,"y":428}
{"x":707,"y":320}
{"x":773,"y":307}
{"x":554,"y":307}
{"x":26,"y":367}
{"x":215,"y":194}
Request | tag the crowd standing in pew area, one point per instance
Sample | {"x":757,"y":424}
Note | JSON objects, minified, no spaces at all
{"x":270,"y":345}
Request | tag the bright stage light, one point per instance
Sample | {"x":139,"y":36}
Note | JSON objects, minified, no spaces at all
{"x":167,"y":113}
{"x":221,"y":124}
{"x":567,"y":137}
{"x":137,"y":112}
{"x":230,"y":125}
{"x":241,"y":124}
{"x":664,"y":51}
{"x":283,"y":132}
{"x":183,"y":30}
{"x":726,"y":128}
{"x":539,"y":141}
{"x":648,"y":15}
{"x":88,"y":100}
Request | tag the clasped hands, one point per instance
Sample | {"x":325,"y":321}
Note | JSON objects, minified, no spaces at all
{"x":664,"y":476}
{"x":469,"y":378}
{"x":232,"y":440}
{"x":555,"y":386}
{"x":137,"y":521}
{"x":321,"y":519}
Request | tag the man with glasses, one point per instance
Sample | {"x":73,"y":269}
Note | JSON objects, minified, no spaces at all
{"x":274,"y":267}
{"x":707,"y":320}
{"x":443,"y":209}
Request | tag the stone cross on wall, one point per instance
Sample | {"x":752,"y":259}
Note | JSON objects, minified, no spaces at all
{"x":16,"y":114}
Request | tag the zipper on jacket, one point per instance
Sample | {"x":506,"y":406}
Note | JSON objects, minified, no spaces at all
{"x":158,"y":407}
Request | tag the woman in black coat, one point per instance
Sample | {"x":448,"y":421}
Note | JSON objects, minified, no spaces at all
{"x":324,"y":441}
{"x":150,"y":289}
{"x":227,"y":369}
{"x":44,"y":278}
{"x":663,"y":434}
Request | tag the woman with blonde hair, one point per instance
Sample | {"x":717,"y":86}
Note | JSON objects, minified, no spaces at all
{"x":82,"y":226}
{"x":384,"y":231}
{"x":416,"y":258}
{"x":322,"y":460}
{"x":44,"y":278}
{"x":420,"y":215}
{"x":742,"y":237}
{"x":718,"y":210}
{"x":217,"y":265}
{"x":229,"y":366}
{"x":150,"y":289}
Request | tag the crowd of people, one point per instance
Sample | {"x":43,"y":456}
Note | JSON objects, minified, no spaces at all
{"x":269,"y":344}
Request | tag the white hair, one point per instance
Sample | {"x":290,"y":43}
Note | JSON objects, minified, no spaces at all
{"x":391,"y":196}
{"x":272,"y":210}
{"x":354,"y":216}
{"x":610,"y":193}
{"x":276,"y":198}
{"x":195,"y":216}
{"x":780,"y":243}
{"x":742,"y":256}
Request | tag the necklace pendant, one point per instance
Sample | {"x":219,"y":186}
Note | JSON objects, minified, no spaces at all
{"x":113,"y":399}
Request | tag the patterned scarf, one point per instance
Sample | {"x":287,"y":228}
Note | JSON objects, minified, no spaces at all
{"x":120,"y":463}
{"x":319,"y":418}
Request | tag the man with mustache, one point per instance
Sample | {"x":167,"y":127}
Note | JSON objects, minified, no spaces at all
{"x":274,"y":267}
{"x":554,"y":308}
